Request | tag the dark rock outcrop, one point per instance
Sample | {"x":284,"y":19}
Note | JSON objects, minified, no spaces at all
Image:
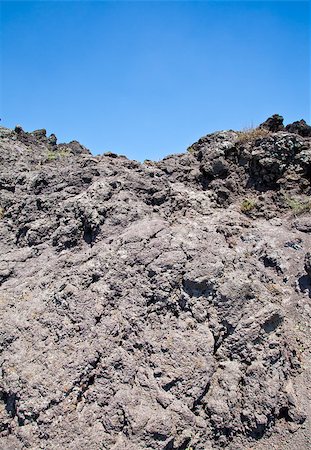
{"x":158,"y":305}
{"x":308,"y":263}
{"x":300,"y":127}
{"x":273,"y":123}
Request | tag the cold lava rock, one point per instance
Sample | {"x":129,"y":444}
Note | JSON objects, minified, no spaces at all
{"x":273,"y":123}
{"x":300,"y":127}
{"x":142,"y":307}
{"x":52,"y":140}
{"x":308,"y":263}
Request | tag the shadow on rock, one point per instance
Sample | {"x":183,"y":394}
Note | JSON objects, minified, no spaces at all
{"x":305,"y":284}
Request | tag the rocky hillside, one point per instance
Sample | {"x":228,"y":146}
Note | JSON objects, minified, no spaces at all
{"x":163,"y":305}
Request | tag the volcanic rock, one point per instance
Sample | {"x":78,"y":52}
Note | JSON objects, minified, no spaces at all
{"x":299,"y":127}
{"x":162,"y":305}
{"x":273,"y":123}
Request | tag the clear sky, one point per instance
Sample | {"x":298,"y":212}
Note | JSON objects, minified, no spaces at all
{"x":147,"y":79}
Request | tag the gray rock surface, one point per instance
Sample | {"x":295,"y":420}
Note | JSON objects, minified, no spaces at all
{"x":163,"y":305}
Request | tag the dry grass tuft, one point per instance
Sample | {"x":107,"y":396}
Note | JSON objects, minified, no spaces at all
{"x":252,"y":134}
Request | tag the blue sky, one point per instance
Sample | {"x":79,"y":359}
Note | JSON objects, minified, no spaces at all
{"x":147,"y":79}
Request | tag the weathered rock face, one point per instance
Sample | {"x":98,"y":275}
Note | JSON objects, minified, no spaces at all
{"x":158,"y":306}
{"x":273,"y":123}
{"x":299,"y":127}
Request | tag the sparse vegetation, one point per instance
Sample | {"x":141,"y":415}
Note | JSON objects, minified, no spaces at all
{"x":54,"y":155}
{"x":299,"y":206}
{"x":248,"y":205}
{"x":51,"y":156}
{"x":191,"y":149}
{"x":252,"y":134}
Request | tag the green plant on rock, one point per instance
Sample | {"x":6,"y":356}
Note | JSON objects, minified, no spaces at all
{"x":54,"y":155}
{"x":299,"y":206}
{"x":51,"y":156}
{"x":248,"y":205}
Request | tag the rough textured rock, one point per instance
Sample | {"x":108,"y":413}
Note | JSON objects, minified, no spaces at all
{"x":273,"y":123}
{"x":162,"y":305}
{"x":308,"y":263}
{"x":299,"y":127}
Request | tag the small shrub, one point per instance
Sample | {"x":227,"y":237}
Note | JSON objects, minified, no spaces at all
{"x":52,"y":156}
{"x":248,"y":205}
{"x":191,"y":149}
{"x":252,"y":134}
{"x":299,"y":206}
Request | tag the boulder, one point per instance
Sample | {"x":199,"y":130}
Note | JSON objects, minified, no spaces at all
{"x":273,"y":123}
{"x":299,"y":127}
